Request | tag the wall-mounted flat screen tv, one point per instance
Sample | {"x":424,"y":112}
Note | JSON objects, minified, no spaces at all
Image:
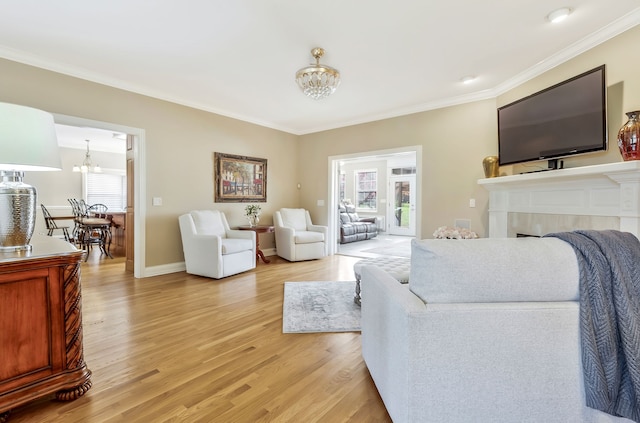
{"x":565,"y":119}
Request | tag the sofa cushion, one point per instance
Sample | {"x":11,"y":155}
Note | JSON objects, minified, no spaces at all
{"x":494,"y":270}
{"x":348,"y":229}
{"x":360,"y":227}
{"x":353,"y":217}
{"x":208,"y":222}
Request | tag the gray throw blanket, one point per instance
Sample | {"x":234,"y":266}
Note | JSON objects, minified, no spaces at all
{"x":609,"y":263}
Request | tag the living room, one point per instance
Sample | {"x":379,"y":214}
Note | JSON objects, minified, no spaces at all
{"x":175,"y":144}
{"x":178,"y":143}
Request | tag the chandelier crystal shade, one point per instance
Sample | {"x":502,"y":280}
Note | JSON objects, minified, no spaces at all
{"x":316,"y":80}
{"x":86,"y":164}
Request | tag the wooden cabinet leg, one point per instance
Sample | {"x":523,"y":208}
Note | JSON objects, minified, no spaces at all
{"x":74,"y":393}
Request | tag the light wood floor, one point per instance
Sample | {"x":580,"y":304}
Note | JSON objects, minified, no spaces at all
{"x":181,"y":348}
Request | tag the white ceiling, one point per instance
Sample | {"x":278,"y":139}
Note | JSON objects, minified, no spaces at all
{"x":238,"y":58}
{"x":99,"y":139}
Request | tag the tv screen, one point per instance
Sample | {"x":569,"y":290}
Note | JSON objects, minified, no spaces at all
{"x":566,"y":119}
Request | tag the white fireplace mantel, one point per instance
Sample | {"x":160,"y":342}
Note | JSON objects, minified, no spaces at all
{"x":611,"y":189}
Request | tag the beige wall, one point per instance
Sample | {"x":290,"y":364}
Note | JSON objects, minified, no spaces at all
{"x":180,"y":142}
{"x":456,"y":139}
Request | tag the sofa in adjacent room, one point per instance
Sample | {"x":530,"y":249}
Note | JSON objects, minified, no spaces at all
{"x":353,"y":227}
{"x":487,"y":330}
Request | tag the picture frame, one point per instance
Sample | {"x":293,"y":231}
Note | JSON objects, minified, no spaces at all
{"x":240,"y":179}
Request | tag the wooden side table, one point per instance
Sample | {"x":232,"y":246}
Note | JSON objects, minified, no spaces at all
{"x":261,"y":229}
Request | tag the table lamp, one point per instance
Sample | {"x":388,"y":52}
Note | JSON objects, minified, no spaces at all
{"x":27,"y":142}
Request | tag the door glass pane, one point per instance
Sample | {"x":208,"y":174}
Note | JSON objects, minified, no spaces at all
{"x":402,"y":199}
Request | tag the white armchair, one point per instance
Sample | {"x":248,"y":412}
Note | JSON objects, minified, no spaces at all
{"x":213,"y":250}
{"x":297,"y":238}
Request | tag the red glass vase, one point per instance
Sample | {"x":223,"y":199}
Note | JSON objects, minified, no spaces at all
{"x":629,"y":137}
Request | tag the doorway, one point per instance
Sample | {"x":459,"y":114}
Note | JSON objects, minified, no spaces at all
{"x":135,"y":233}
{"x":403,"y":157}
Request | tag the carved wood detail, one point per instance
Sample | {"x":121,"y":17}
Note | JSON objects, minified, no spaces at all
{"x":73,"y":316}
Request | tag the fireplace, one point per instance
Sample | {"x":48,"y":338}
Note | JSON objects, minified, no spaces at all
{"x":591,"y":197}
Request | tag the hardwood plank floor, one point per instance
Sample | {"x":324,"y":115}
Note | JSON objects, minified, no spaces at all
{"x":182,"y":348}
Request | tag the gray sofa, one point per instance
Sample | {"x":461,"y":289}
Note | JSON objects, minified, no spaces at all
{"x":353,"y":227}
{"x":487,"y":330}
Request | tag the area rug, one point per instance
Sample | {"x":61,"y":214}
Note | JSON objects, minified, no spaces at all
{"x":320,"y":307}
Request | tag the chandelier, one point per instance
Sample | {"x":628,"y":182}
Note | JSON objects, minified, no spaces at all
{"x":86,"y":164}
{"x":316,"y":80}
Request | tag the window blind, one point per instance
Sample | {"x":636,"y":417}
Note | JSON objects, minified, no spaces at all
{"x":108,"y":189}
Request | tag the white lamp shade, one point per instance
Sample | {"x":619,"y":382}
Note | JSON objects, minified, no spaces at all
{"x":27,"y":139}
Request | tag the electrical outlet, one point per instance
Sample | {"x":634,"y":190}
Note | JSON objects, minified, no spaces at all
{"x":472,"y":202}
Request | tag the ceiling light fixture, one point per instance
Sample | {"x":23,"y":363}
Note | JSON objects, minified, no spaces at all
{"x":316,"y":80}
{"x":86,"y":164}
{"x":559,"y":15}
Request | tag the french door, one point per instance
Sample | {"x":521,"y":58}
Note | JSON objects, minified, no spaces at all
{"x":401,"y":213}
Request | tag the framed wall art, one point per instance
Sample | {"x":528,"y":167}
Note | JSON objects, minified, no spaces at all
{"x":239,"y":178}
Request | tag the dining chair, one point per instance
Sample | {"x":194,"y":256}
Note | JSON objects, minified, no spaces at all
{"x":53,"y":226}
{"x":97,"y":210}
{"x":86,"y":231}
{"x":78,"y":215}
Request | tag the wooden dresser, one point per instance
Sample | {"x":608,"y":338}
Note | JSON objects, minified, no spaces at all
{"x":41,"y":350}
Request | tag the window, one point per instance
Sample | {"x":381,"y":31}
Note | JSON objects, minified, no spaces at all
{"x":367,"y":190}
{"x":109,"y":189}
{"x":342,"y":185}
{"x":403,"y":171}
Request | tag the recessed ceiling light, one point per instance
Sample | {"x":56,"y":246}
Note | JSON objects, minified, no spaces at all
{"x":468,"y":79}
{"x":559,"y":15}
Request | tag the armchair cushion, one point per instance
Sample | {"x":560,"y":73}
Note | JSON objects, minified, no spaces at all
{"x":208,"y":222}
{"x":305,"y":237}
{"x":294,"y":218}
{"x":234,"y":245}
